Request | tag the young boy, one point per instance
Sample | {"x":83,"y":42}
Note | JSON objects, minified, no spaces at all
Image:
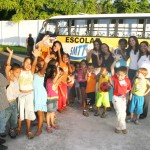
{"x":91,"y":86}
{"x":102,"y":97}
{"x":122,"y":86}
{"x":141,"y":87}
{"x":12,"y":75}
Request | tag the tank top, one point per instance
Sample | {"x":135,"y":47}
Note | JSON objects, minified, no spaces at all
{"x":140,"y":87}
{"x":52,"y":92}
{"x":101,"y":80}
{"x":26,"y":80}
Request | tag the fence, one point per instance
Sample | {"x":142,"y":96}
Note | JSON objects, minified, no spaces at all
{"x":16,"y":33}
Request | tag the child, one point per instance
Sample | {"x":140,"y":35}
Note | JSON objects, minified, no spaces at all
{"x":3,"y":106}
{"x":139,"y":90}
{"x":82,"y":82}
{"x":12,"y":75}
{"x":40,"y":95}
{"x":71,"y":89}
{"x":77,"y":86}
{"x":25,"y":99}
{"x":53,"y":79}
{"x":91,"y":86}
{"x":102,"y":97}
{"x":122,"y":86}
{"x":121,"y":51}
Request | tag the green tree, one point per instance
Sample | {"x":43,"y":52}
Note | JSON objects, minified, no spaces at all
{"x":144,"y":6}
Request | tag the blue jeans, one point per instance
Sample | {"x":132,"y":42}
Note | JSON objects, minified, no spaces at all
{"x":2,"y":121}
{"x":12,"y":114}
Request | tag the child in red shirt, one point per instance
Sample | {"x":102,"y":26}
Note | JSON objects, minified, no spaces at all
{"x":122,"y":86}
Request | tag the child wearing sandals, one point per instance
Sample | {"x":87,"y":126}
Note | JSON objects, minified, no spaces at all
{"x":40,"y":94}
{"x":25,"y":99}
{"x":12,"y":75}
{"x":53,"y":79}
{"x":141,"y":87}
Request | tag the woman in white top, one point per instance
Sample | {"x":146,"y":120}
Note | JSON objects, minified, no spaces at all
{"x":133,"y":53}
{"x":144,"y":62}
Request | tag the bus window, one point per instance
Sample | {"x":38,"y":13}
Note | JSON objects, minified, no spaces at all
{"x":81,"y":27}
{"x":73,"y":31}
{"x":63,"y":27}
{"x":101,"y":27}
{"x":112,"y":27}
{"x":51,"y":28}
{"x":147,"y":29}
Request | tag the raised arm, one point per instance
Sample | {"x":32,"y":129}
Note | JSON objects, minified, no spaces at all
{"x":89,"y":54}
{"x":46,"y":61}
{"x":113,"y":64}
{"x":35,"y":53}
{"x":8,"y":67}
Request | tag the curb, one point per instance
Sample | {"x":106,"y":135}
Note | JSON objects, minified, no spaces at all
{"x":21,"y":59}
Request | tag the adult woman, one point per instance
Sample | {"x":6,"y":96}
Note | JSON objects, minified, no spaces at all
{"x":64,"y":63}
{"x":95,"y":54}
{"x":106,"y":56}
{"x":144,"y":62}
{"x":133,"y":53}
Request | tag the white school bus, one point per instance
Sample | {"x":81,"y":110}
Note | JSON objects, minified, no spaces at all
{"x":77,"y":32}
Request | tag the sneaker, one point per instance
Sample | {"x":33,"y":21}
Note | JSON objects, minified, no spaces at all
{"x":130,"y":120}
{"x":137,"y":122}
{"x":125,"y":131}
{"x":3,"y":147}
{"x":117,"y":131}
{"x":12,"y":133}
{"x":85,"y":113}
{"x":2,"y":141}
{"x":96,"y":113}
{"x":103,"y":115}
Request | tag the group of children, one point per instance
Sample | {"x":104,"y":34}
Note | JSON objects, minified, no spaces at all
{"x":40,"y":87}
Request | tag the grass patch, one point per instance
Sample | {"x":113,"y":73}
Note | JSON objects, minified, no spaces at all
{"x":16,"y":49}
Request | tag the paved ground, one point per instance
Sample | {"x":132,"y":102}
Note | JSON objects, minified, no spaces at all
{"x":84,"y":133}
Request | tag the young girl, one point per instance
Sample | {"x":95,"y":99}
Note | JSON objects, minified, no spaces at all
{"x":141,"y":87}
{"x":25,"y":99}
{"x":53,"y":78}
{"x":82,"y":82}
{"x":40,"y":95}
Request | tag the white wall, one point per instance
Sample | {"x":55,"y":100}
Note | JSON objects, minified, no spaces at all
{"x":16,"y":33}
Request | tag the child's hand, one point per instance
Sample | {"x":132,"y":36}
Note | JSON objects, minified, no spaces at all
{"x":116,"y":57}
{"x":10,"y":51}
{"x":36,"y":52}
{"x":47,"y":58}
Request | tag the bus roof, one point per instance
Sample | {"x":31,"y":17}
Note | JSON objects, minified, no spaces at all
{"x":86,"y":16}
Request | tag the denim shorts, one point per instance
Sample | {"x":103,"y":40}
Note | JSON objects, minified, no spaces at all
{"x":52,"y":105}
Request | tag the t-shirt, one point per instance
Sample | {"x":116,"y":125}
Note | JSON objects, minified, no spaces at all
{"x":91,"y":83}
{"x":13,"y":90}
{"x":133,"y":60}
{"x":80,"y":76}
{"x":121,"y":86}
{"x":144,"y":62}
{"x":139,"y":86}
{"x":121,"y":61}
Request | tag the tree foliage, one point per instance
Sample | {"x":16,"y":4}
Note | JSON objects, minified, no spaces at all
{"x":17,"y":10}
